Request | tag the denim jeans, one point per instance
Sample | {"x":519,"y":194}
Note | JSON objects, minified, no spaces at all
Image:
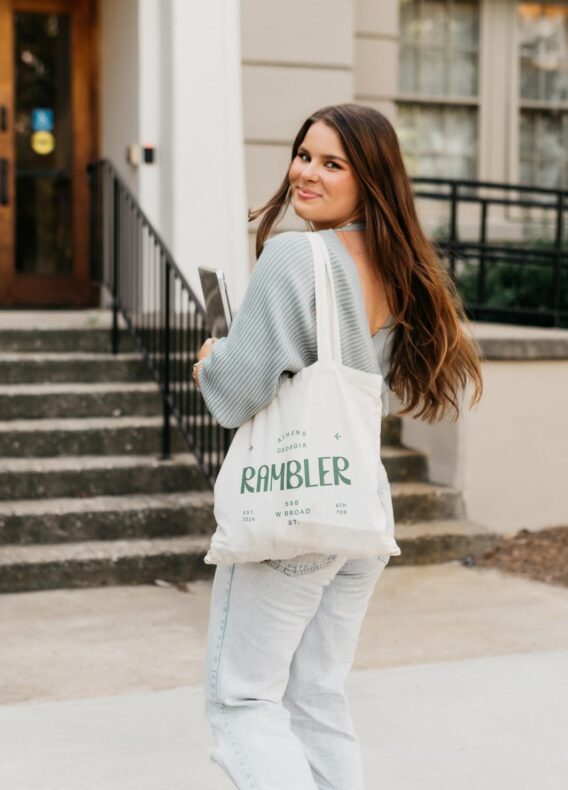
{"x":281,"y":641}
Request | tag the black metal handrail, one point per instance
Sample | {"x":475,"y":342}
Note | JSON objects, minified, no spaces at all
{"x":494,"y":267}
{"x":161,"y":311}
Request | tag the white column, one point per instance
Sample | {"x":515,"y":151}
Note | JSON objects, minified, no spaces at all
{"x":209,"y":212}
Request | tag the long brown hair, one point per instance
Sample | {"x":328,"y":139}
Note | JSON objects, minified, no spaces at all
{"x":432,"y":357}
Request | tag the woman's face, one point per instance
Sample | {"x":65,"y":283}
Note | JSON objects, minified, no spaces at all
{"x":321,"y":167}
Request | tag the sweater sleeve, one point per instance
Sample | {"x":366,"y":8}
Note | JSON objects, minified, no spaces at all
{"x":273,"y":332}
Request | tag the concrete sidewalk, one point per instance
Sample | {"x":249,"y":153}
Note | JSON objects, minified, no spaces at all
{"x":460,"y":681}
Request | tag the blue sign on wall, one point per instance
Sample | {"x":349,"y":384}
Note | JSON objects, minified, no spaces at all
{"x":42,"y":120}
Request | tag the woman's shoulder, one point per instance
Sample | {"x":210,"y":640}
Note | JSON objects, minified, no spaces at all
{"x":288,"y":253}
{"x":288,"y":241}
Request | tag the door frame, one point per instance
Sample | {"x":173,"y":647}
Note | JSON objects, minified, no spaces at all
{"x":39,"y":290}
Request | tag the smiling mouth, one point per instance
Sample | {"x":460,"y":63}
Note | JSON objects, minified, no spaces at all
{"x":307,"y":193}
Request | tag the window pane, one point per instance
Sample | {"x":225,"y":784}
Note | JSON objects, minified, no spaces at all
{"x":434,"y":23}
{"x":463,"y":75}
{"x":464,"y":25}
{"x":408,"y":20}
{"x":556,"y":85}
{"x":432,"y":134}
{"x":461,"y":130}
{"x":42,"y":69}
{"x":438,"y":140}
{"x":544,"y":50}
{"x":544,"y":148}
{"x":438,"y":55}
{"x":432,"y":73}
{"x":407,"y":70}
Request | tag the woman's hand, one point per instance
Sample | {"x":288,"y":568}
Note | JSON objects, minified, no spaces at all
{"x":206,"y":348}
{"x":204,"y":352}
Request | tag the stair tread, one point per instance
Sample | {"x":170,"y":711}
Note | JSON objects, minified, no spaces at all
{"x":102,"y":549}
{"x":86,"y":388}
{"x":144,"y":547}
{"x":140,"y":501}
{"x":438,"y":527}
{"x":85,"y":423}
{"x":132,"y":420}
{"x":126,"y":502}
{"x":87,"y":320}
{"x":75,"y":462}
{"x":410,"y":487}
{"x":53,"y":356}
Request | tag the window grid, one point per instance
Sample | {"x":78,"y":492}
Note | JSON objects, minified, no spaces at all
{"x":543,"y":120}
{"x":424,"y":160}
{"x":539,"y":166}
{"x":417,"y":109}
{"x":413,"y":44}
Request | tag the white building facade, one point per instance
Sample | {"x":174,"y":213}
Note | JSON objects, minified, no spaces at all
{"x":477,"y":89}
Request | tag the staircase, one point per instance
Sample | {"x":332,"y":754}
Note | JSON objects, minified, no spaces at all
{"x":85,"y":499}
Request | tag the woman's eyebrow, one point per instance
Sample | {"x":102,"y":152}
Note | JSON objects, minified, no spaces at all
{"x":325,"y":156}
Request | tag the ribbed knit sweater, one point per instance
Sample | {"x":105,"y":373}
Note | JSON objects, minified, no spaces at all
{"x":274,"y":330}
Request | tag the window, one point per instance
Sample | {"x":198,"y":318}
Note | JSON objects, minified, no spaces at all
{"x":438,"y":86}
{"x":543,"y":99}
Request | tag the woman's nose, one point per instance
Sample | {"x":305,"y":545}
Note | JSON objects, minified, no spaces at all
{"x":310,"y":171}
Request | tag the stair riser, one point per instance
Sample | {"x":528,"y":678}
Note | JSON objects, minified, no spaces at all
{"x":100,"y":482}
{"x":88,"y":340}
{"x":144,"y":440}
{"x":104,"y":572}
{"x":65,"y":340}
{"x":176,"y":568}
{"x":58,"y":371}
{"x":166,"y":522}
{"x":391,"y":428}
{"x":56,"y":443}
{"x":440,"y":548}
{"x":426,"y":507}
{"x":406,"y":467}
{"x":53,"y":406}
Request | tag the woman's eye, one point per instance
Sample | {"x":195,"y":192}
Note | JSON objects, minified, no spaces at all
{"x":328,"y":162}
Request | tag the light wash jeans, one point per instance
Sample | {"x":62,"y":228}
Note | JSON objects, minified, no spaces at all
{"x":281,"y":641}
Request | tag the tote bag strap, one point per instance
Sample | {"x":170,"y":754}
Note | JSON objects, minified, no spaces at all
{"x":328,"y":336}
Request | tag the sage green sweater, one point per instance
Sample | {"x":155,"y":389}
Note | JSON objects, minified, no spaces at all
{"x":274,"y":331}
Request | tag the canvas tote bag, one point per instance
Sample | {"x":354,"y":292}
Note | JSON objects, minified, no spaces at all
{"x":302,"y":474}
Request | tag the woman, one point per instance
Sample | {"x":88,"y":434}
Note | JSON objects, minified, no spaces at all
{"x":283,"y":633}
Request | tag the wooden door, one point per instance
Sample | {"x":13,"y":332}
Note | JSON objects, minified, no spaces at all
{"x":47,"y":136}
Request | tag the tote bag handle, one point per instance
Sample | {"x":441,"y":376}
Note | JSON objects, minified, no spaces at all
{"x":328,"y":335}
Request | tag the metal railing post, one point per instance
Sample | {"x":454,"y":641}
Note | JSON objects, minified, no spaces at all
{"x":453,"y":229}
{"x":115,"y":262}
{"x":557,"y":277}
{"x":166,"y":443}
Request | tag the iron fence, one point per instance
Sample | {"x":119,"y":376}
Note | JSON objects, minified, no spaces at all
{"x":161,"y":311}
{"x":506,"y":247}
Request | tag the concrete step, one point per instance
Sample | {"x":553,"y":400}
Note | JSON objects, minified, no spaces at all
{"x":138,"y":435}
{"x":91,"y":476}
{"x":156,"y":515}
{"x":52,"y":401}
{"x":55,"y":368}
{"x":50,"y":334}
{"x":415,"y":501}
{"x":403,"y":463}
{"x":96,"y":339}
{"x":180,"y":559}
{"x":101,"y":563}
{"x":440,"y":540}
{"x":147,"y":515}
{"x":89,"y":436}
{"x":38,"y":401}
